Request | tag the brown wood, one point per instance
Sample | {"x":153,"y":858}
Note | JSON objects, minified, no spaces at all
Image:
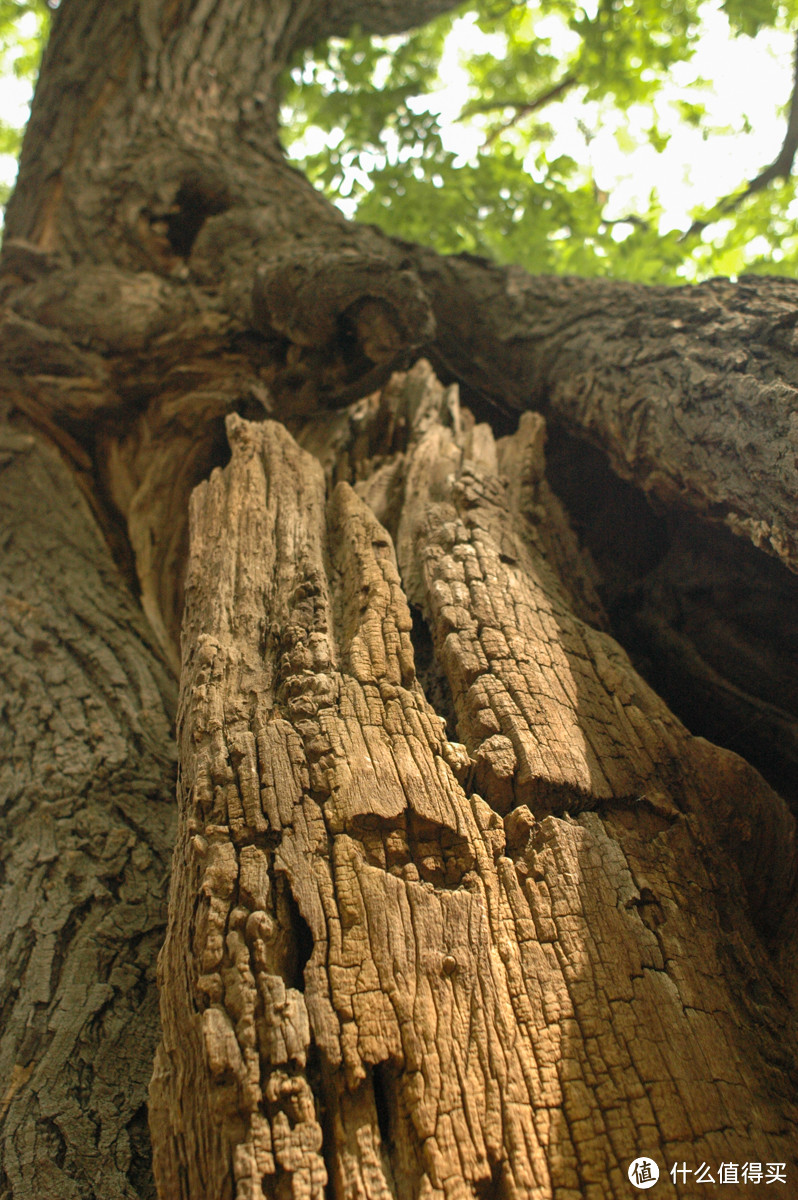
{"x":88,"y":771}
{"x":459,"y":908}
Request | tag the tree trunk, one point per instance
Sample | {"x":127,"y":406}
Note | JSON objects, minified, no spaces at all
{"x":458,"y":907}
{"x":424,"y":968}
{"x":88,"y":824}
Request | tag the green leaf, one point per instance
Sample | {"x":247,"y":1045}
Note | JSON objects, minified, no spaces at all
{"x":749,"y":16}
{"x":362,"y":116}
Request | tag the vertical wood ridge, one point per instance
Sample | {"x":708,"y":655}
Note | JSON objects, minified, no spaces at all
{"x":378,"y":979}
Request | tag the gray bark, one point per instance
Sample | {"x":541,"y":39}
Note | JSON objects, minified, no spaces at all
{"x":87,"y":780}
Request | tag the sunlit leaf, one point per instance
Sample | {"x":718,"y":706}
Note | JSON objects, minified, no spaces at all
{"x":362,"y":116}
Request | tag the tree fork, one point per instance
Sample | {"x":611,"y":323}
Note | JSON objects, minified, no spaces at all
{"x":582,"y":895}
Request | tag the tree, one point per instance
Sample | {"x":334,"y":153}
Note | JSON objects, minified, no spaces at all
{"x":458,"y":907}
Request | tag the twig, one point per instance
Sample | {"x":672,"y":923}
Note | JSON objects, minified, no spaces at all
{"x":780,"y":168}
{"x":632,"y":219}
{"x":522,"y":107}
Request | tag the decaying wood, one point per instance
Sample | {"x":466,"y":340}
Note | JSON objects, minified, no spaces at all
{"x":417,"y":967}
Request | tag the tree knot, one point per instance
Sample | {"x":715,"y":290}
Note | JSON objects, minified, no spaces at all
{"x":349,"y":321}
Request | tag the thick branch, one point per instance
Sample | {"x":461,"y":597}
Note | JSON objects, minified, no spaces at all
{"x":337,"y":17}
{"x":690,"y":391}
{"x":146,"y":107}
{"x":147,"y":110}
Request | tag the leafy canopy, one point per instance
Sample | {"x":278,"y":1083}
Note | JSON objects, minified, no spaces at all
{"x":484,"y":167}
{"x":23,"y":25}
{"x":363,"y":117}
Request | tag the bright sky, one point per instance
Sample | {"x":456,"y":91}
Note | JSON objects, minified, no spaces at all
{"x":750,"y":78}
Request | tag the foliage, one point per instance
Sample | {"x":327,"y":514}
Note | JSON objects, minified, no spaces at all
{"x":23,"y":25}
{"x":363,"y":118}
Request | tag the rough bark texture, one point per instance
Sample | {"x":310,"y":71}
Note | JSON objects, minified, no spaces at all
{"x":669,"y":382}
{"x":87,"y":780}
{"x":459,"y":908}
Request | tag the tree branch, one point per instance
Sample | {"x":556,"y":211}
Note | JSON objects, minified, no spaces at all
{"x":780,"y":168}
{"x":523,"y":108}
{"x":336,"y":18}
{"x":667,"y":381}
{"x":632,"y":219}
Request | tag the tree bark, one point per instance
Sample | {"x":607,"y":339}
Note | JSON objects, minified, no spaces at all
{"x":459,"y":907}
{"x":87,"y":829}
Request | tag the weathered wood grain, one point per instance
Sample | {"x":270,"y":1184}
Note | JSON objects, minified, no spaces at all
{"x":409,"y":970}
{"x":459,"y":908}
